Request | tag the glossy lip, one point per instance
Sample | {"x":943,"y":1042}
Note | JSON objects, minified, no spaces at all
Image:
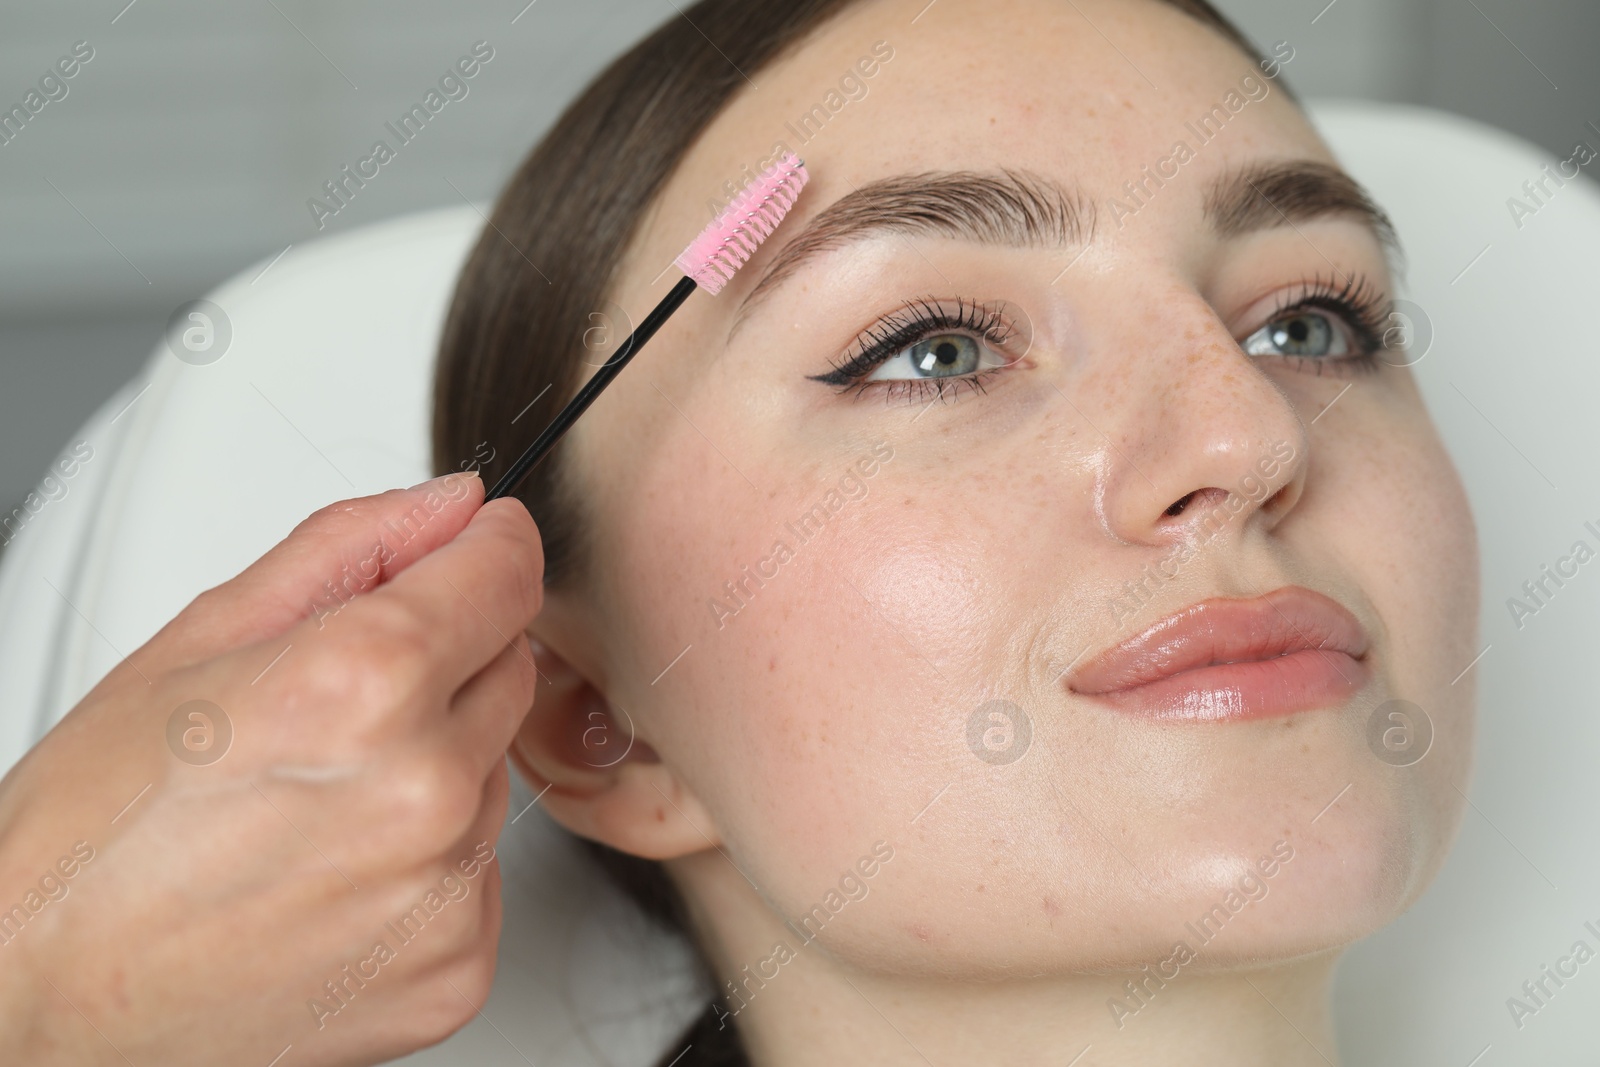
{"x":1227,"y":659}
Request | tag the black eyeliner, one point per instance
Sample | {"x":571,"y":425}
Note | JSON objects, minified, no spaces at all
{"x":916,"y":320}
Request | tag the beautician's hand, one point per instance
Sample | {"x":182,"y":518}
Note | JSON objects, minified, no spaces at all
{"x":160,"y":905}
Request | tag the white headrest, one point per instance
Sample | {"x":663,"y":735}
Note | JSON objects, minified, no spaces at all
{"x":1511,"y":381}
{"x":323,"y":392}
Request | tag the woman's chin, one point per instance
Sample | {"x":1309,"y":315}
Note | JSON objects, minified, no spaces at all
{"x":1234,"y":896}
{"x":1355,"y":869}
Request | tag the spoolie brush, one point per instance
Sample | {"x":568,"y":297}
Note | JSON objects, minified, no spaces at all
{"x":709,"y":263}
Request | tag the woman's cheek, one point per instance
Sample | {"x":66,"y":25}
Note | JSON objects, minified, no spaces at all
{"x":1441,"y":640}
{"x":1393,"y":513}
{"x":1405,"y":530}
{"x":833,"y":688}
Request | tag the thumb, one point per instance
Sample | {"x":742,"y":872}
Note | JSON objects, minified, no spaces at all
{"x":342,"y":550}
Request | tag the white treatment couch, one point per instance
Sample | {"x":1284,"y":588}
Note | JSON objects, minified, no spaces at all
{"x":323,"y":393}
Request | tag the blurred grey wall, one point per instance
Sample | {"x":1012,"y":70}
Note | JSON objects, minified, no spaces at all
{"x":186,"y":148}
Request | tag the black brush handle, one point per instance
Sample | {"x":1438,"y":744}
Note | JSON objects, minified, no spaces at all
{"x":591,"y":389}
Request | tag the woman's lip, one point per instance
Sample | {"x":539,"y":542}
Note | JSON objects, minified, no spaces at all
{"x":1288,"y":651}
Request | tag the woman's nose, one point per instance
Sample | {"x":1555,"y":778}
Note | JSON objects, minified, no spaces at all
{"x":1200,"y":440}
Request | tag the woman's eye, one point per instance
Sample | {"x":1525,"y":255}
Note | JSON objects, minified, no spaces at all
{"x":1303,"y":333}
{"x":930,"y":348}
{"x":943,"y":355}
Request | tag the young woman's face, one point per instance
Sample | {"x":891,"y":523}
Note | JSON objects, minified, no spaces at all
{"x":1118,"y":319}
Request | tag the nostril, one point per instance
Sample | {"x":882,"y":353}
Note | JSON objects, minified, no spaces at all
{"x":1197,"y":498}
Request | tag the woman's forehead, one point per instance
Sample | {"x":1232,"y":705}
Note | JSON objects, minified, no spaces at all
{"x":1085,"y":93}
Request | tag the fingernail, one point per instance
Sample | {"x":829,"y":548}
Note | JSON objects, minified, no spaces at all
{"x":443,"y":480}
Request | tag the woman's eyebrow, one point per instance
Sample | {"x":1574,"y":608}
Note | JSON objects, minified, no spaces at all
{"x":1022,"y":209}
{"x":1265,"y":195}
{"x":1007,"y":207}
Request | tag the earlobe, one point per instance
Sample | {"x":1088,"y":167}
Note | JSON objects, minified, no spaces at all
{"x":596,"y":776}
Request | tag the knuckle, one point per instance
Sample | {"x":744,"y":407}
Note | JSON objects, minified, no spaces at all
{"x":208,"y":604}
{"x":437,"y":1013}
{"x":452,"y":1004}
{"x":204,"y":614}
{"x":339,"y":515}
{"x":392,"y":625}
{"x":379,"y":661}
{"x":473,"y":976}
{"x":352,"y":680}
{"x":436,"y":797}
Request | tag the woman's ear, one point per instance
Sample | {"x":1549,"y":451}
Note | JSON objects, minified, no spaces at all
{"x":598,"y":778}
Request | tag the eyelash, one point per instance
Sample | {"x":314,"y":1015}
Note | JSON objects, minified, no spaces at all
{"x":917,"y":320}
{"x":1363,"y":307}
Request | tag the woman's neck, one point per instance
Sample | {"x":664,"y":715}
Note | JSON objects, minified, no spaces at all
{"x":816,"y":1011}
{"x":795,"y":1004}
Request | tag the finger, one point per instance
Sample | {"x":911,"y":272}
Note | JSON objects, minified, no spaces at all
{"x":472,"y":596}
{"x":339,"y":552}
{"x":481,"y":837}
{"x":476,"y":848}
{"x":490,"y":707}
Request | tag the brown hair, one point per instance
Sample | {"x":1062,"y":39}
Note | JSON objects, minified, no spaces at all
{"x":512,"y":348}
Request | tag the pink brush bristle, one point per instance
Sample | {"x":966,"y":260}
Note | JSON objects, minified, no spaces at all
{"x":727,"y":244}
